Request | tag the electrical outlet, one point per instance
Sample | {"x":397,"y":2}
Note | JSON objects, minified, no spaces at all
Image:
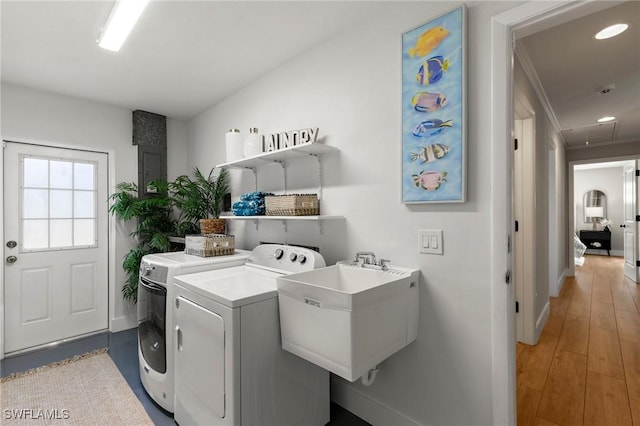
{"x":430,"y":241}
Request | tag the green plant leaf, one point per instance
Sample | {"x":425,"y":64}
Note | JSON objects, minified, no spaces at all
{"x":159,"y":242}
{"x":174,"y":209}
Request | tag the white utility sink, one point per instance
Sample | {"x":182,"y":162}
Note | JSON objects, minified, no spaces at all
{"x":346,"y":318}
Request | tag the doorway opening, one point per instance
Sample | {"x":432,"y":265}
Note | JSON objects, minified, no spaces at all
{"x":521,"y":20}
{"x":615,"y":179}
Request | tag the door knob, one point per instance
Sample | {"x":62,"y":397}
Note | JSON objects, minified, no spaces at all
{"x":11,"y":259}
{"x":11,"y":244}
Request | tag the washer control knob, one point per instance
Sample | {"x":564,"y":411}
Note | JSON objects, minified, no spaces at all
{"x":278,"y":253}
{"x":293,"y":257}
{"x":147,"y":270}
{"x":302,"y":258}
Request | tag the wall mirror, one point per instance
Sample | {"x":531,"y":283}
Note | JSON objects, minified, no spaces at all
{"x":595,"y":205}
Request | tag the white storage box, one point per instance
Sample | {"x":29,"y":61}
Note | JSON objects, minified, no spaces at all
{"x":208,"y":245}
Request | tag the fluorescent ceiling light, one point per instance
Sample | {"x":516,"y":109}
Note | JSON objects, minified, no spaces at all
{"x":611,"y":31}
{"x":124,"y":16}
{"x":605,"y":119}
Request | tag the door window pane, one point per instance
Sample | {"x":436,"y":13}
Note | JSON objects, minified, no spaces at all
{"x":36,"y":173}
{"x":83,"y":176}
{"x":84,"y":232}
{"x":61,"y":195}
{"x":61,"y":233}
{"x":83,"y":204}
{"x":61,"y":174}
{"x":61,"y":204}
{"x":35,"y":234}
{"x":35,"y":204}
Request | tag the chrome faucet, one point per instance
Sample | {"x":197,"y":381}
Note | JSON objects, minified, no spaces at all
{"x":367,"y":259}
{"x":382,"y":263}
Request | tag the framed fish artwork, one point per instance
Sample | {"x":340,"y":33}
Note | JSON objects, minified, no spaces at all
{"x":433,"y":111}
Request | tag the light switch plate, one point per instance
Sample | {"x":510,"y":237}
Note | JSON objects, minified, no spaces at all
{"x":430,"y":241}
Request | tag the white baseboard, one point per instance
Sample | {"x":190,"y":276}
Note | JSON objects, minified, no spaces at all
{"x":122,"y":323}
{"x":542,"y":320}
{"x":562,"y":278}
{"x":363,"y":406}
{"x":555,"y":292}
{"x":619,"y":253}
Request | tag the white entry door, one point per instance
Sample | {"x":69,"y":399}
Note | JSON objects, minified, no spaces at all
{"x":631,"y":225}
{"x":56,"y":244}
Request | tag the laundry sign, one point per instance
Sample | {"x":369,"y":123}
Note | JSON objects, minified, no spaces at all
{"x":282,"y":140}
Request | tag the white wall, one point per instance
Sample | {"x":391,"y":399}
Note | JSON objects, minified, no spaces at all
{"x":45,"y":117}
{"x":610,"y":181}
{"x":349,"y":88}
{"x":176,"y":149}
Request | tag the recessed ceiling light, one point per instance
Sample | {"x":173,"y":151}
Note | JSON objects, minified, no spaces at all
{"x":123,"y":17}
{"x":605,"y":119}
{"x":611,"y":31}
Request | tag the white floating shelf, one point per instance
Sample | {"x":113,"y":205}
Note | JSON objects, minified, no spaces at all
{"x":264,"y":217}
{"x":297,"y":151}
{"x":284,"y":219}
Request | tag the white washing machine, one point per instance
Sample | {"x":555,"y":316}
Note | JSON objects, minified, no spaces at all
{"x":230,"y":368}
{"x":155,"y":315}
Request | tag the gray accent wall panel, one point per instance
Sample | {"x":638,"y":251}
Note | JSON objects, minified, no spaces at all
{"x":150,"y":135}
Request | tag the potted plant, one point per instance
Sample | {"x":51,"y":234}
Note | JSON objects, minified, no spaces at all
{"x":200,"y":199}
{"x":154,"y":224}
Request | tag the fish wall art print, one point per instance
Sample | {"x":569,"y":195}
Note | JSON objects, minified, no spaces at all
{"x":433,"y":111}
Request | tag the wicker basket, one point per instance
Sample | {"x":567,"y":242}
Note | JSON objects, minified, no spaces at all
{"x":213,"y":226}
{"x":209,"y":245}
{"x":292,"y":205}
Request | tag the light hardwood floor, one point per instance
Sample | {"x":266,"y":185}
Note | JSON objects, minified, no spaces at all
{"x":585,"y":370}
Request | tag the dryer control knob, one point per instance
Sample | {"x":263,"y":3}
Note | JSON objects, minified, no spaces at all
{"x":293,"y":257}
{"x":147,"y":270}
{"x":302,"y":258}
{"x":278,"y":253}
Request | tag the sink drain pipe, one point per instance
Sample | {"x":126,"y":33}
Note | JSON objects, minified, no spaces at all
{"x":368,"y":378}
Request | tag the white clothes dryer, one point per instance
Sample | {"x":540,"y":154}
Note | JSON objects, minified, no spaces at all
{"x":230,"y":369}
{"x":155,"y":315}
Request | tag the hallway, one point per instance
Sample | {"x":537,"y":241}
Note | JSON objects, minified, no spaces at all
{"x":585,"y":370}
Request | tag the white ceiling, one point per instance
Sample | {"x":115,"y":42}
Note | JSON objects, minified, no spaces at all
{"x":571,"y":65}
{"x":184,"y":56}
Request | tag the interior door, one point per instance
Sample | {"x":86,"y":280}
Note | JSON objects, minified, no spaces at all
{"x":518,"y":241}
{"x":56,"y":244}
{"x":524,"y":240}
{"x":631,"y":225}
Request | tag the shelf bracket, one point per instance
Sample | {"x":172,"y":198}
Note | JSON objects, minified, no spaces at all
{"x":321,"y":227}
{"x":284,"y":176}
{"x":256,"y":222}
{"x":319,"y":176}
{"x":284,"y":224}
{"x":255,"y":178}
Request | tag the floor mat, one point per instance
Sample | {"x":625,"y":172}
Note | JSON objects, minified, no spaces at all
{"x":84,"y":390}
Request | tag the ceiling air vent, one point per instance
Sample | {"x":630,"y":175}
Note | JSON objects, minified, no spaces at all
{"x":598,"y":133}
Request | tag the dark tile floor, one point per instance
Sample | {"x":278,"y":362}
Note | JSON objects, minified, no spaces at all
{"x":124,"y":353}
